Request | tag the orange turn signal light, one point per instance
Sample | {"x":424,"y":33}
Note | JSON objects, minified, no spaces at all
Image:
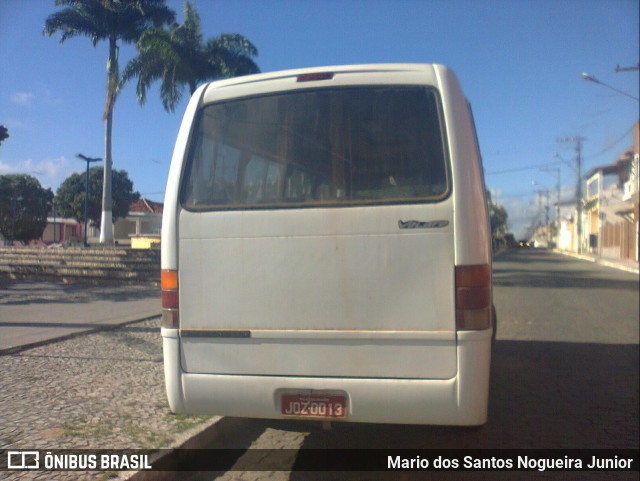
{"x":168,"y":279}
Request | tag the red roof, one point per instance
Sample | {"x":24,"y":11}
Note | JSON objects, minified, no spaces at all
{"x":146,"y":206}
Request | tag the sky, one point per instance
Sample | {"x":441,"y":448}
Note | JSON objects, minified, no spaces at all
{"x":519,"y":62}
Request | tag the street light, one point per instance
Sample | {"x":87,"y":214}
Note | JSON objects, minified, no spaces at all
{"x":55,"y":227}
{"x":88,"y":160}
{"x":14,"y":207}
{"x":590,"y":78}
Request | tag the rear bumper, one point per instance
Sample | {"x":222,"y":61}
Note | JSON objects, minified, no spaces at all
{"x":461,"y":400}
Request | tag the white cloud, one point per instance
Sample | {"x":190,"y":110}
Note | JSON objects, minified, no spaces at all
{"x":22,"y":98}
{"x":495,"y":193}
{"x":521,"y":209}
{"x":49,"y":171}
{"x":5,"y":169}
{"x":519,"y":216}
{"x":525,"y":208}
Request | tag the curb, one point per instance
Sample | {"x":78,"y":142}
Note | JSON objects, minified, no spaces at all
{"x":167,"y":461}
{"x":602,"y":262}
{"x":98,"y":328}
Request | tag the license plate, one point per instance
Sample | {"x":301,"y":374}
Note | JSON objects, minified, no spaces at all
{"x":314,"y":406}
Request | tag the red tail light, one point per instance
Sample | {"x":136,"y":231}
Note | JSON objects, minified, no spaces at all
{"x":170,"y":299}
{"x":312,"y":77}
{"x":473,"y":297}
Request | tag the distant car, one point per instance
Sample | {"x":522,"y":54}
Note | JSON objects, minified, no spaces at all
{"x":524,"y":243}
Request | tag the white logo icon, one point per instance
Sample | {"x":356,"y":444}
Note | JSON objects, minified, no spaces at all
{"x":19,"y":460}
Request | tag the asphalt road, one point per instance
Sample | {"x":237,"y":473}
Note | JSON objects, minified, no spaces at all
{"x":543,"y":296}
{"x":564,"y":375}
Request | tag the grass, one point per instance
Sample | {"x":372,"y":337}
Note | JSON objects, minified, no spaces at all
{"x":185,"y":422}
{"x":84,"y":429}
{"x":139,"y":435}
{"x":143,"y":436}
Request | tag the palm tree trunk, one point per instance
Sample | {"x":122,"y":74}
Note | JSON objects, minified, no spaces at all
{"x":106,"y":220}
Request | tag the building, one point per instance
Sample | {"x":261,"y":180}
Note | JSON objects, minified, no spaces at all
{"x":139,"y":229}
{"x":61,"y":230}
{"x":611,"y":207}
{"x":566,"y":239}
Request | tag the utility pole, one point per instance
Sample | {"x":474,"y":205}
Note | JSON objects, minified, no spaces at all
{"x":557,"y":170}
{"x":578,"y":142}
{"x":546,"y":217}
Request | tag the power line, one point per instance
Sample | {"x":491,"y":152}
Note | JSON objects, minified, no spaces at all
{"x":520,"y":169}
{"x":499,"y":196}
{"x":610,"y":146}
{"x":578,"y":197}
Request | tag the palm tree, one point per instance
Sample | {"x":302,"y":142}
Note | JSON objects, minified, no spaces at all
{"x":113,"y":21}
{"x":178,"y":57}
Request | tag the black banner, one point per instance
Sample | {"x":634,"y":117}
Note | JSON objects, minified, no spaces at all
{"x":222,"y":460}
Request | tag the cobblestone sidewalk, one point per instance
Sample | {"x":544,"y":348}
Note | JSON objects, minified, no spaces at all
{"x":103,"y":390}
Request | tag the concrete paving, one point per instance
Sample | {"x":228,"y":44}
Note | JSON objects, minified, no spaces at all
{"x":103,"y":389}
{"x":33,"y":313}
{"x":99,"y":390}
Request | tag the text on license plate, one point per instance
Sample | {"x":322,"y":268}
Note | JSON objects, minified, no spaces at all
{"x":318,"y":406}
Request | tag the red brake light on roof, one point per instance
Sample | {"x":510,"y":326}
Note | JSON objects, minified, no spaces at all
{"x":312,"y":77}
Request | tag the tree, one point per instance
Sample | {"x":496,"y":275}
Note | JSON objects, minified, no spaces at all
{"x":498,"y":218}
{"x":71,"y":195}
{"x":178,"y":57}
{"x":24,"y":205}
{"x":4,"y":133}
{"x":113,"y":21}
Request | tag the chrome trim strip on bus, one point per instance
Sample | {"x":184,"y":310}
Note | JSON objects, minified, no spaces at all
{"x":226,"y":333}
{"x":319,"y":334}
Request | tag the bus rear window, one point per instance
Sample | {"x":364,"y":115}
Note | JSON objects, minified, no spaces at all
{"x":350,"y":146}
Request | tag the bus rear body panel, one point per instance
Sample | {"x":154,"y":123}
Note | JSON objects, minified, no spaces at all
{"x":312,"y":240}
{"x":329,"y":301}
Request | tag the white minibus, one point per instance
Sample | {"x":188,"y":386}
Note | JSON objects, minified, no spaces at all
{"x":326,"y":249}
